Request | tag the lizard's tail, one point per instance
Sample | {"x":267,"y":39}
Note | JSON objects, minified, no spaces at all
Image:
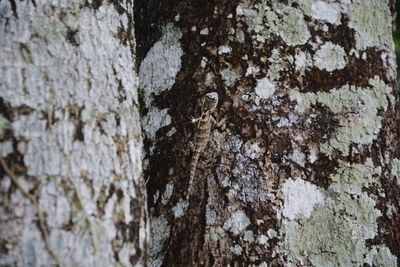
{"x":193,"y":167}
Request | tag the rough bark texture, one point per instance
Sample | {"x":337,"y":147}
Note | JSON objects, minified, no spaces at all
{"x":306,"y":171}
{"x":72,"y":191}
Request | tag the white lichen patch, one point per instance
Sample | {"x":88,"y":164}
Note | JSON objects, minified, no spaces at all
{"x":236,"y":249}
{"x":167,"y":193}
{"x":180,"y":208}
{"x":327,"y":11}
{"x":159,"y":232}
{"x":262,"y":240}
{"x":302,"y":60}
{"x":240,"y":37}
{"x":224,"y":49}
{"x":156,"y":196}
{"x":154,"y":120}
{"x":298,"y":157}
{"x":357,"y":111}
{"x":211,"y":217}
{"x":313,"y":154}
{"x":159,"y":68}
{"x":6,"y":148}
{"x":371,"y":20}
{"x":396,"y":169}
{"x":330,"y":57}
{"x":389,"y":63}
{"x":272,"y":233}
{"x":252,"y":69}
{"x":264,"y":88}
{"x":252,"y":150}
{"x":204,"y":31}
{"x":381,"y":256}
{"x":237,"y":222}
{"x":157,"y":74}
{"x":248,"y":236}
{"x":300,"y":197}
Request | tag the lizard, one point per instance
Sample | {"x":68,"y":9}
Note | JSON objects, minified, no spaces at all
{"x":202,"y":134}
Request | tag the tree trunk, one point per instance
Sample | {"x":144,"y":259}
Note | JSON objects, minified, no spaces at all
{"x":72,"y":191}
{"x":306,"y":169}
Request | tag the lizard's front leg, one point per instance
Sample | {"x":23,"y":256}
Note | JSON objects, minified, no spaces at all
{"x":194,"y":120}
{"x":219,"y":123}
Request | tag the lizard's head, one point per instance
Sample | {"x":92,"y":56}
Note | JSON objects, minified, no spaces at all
{"x":210,"y":101}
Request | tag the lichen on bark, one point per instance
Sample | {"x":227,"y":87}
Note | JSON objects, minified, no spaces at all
{"x":303,"y":171}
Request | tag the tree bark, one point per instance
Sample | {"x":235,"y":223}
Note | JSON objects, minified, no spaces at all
{"x":306,"y":170}
{"x":72,"y":191}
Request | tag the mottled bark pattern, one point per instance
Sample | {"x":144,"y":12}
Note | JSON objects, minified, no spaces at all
{"x":71,"y":186}
{"x":306,"y":171}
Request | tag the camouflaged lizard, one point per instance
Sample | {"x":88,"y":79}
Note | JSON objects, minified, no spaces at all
{"x":202,"y":134}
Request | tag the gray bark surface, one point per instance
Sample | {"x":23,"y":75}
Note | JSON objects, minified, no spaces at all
{"x":71,"y":186}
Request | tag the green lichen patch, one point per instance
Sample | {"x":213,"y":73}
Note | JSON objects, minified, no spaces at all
{"x":292,"y":28}
{"x":329,"y":239}
{"x":381,"y":256}
{"x":229,"y":77}
{"x":330,"y":57}
{"x":159,"y":232}
{"x":336,"y":232}
{"x":256,"y":20}
{"x":287,"y":22}
{"x":236,"y":249}
{"x":351,"y":178}
{"x":371,"y":20}
{"x":214,"y":234}
{"x":248,"y":237}
{"x":357,"y":111}
{"x":278,"y":62}
{"x":305,"y":5}
{"x":320,"y":10}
